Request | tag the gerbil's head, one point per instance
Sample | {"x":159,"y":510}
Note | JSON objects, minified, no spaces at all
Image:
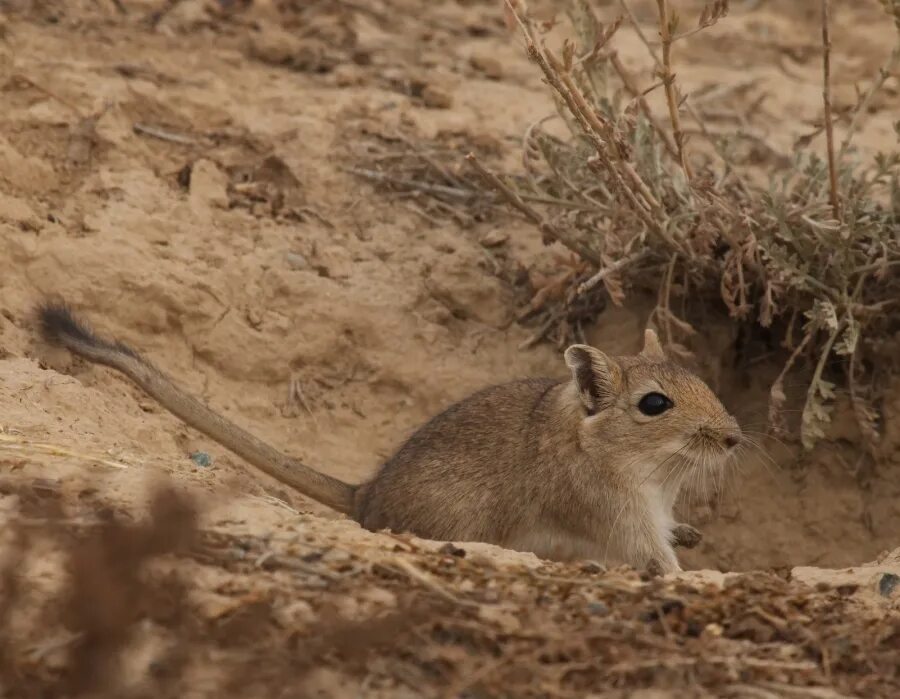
{"x":647,"y":413}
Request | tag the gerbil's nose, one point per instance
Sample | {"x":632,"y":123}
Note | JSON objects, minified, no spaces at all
{"x":732,"y":436}
{"x":731,"y":433}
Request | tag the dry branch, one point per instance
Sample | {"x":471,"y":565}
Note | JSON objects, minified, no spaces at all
{"x":826,"y":98}
{"x":668,"y":78}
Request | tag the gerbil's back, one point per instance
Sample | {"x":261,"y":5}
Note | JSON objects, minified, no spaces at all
{"x":450,"y":480}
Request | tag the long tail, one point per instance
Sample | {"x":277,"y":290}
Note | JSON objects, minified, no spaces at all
{"x":60,"y":327}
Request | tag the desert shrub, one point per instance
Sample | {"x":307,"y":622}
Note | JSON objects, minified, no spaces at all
{"x":807,"y":251}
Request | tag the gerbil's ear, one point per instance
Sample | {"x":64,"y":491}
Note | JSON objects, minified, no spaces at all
{"x":597,"y":377}
{"x":652,"y":348}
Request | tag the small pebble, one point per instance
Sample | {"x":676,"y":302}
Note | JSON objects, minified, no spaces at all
{"x":491,"y":67}
{"x":201,"y":458}
{"x":593,"y":567}
{"x":296,"y":261}
{"x":598,"y":608}
{"x":274,"y":46}
{"x":888,"y":584}
{"x":715,"y":630}
{"x":436,"y":98}
{"x":494,"y":238}
{"x":452,"y":550}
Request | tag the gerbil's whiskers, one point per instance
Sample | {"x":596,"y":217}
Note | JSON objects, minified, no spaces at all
{"x":681,"y":467}
{"x":766,"y":435}
{"x":754,"y":447}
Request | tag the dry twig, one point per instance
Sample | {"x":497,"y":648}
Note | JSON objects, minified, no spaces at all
{"x":826,"y":98}
{"x":666,"y":25}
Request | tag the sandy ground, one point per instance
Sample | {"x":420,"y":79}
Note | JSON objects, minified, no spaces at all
{"x":180,"y":177}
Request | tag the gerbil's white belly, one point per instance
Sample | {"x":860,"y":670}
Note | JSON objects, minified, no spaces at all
{"x":631,"y":536}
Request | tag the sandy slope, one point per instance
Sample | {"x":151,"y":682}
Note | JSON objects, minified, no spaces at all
{"x":328,"y":317}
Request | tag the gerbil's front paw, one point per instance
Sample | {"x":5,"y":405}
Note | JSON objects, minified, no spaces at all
{"x":686,"y":536}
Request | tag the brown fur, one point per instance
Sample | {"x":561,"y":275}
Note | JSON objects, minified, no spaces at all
{"x":566,"y":469}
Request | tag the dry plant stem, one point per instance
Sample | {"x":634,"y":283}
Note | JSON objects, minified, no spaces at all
{"x":826,"y":98}
{"x":453,"y":192}
{"x":820,"y":365}
{"x":687,"y":104}
{"x":586,"y":286}
{"x":592,"y":128}
{"x":668,"y":78}
{"x":28,"y":447}
{"x":550,"y":232}
{"x":798,"y":350}
{"x":593,"y":121}
{"x":555,"y":79}
{"x":643,"y":205}
{"x":593,"y":204}
{"x":431,"y":583}
{"x":50,"y":94}
{"x":665,"y":295}
{"x":628,"y":82}
{"x":541,"y":332}
{"x":162,"y":134}
{"x":442,"y":172}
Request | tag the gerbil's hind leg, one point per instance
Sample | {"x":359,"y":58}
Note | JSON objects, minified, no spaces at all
{"x":686,"y":536}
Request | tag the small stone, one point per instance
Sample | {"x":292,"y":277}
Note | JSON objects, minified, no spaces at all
{"x":713,"y":630}
{"x":888,"y":584}
{"x":379,"y":596}
{"x":347,"y":75}
{"x":436,"y":98}
{"x":494,"y":238}
{"x":450,"y":549}
{"x":201,"y":458}
{"x":491,"y":67}
{"x":598,"y":608}
{"x":274,"y":46}
{"x":296,"y":261}
{"x":593,"y":567}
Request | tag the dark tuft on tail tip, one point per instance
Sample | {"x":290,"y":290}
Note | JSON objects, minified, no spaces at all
{"x":60,"y":326}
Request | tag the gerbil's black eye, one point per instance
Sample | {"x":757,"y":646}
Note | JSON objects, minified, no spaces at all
{"x":654,"y":404}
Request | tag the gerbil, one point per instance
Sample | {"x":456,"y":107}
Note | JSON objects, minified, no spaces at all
{"x":588,"y":467}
